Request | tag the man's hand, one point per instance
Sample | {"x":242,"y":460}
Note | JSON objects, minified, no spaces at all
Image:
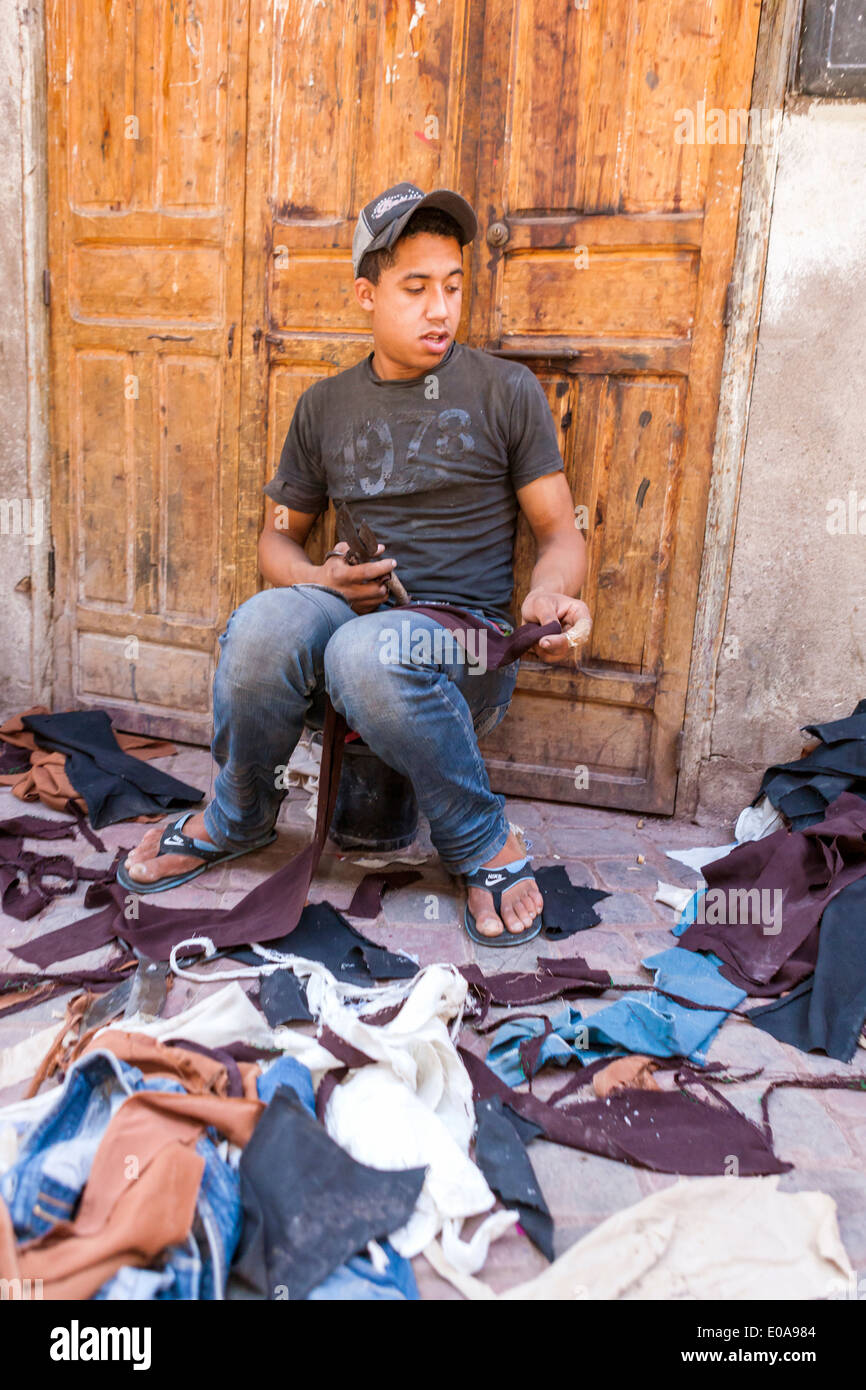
{"x":361,"y":585}
{"x":541,"y":606}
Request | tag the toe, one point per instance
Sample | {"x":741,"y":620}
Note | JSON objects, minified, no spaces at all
{"x":486,"y":921}
{"x":512,"y":916}
{"x":166,"y":866}
{"x":146,"y":847}
{"x":488,"y":926}
{"x":519,"y":911}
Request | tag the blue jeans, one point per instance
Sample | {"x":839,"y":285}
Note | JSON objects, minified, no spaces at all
{"x":420,"y":707}
{"x":56,"y":1153}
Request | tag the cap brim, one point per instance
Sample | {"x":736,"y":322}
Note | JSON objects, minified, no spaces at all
{"x":444,"y":199}
{"x":448,"y":201}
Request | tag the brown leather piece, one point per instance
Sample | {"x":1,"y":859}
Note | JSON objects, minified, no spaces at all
{"x":59,"y":1049}
{"x":198,"y":1073}
{"x":141,"y":1193}
{"x":634,"y":1073}
{"x":152,"y":1213}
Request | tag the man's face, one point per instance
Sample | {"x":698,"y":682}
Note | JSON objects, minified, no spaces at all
{"x":415,"y":308}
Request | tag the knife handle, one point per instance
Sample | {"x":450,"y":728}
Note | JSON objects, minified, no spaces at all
{"x":396,"y":588}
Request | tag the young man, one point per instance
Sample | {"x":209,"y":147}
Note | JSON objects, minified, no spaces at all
{"x":435,"y":445}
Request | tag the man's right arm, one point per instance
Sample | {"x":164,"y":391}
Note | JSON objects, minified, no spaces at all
{"x":283,"y":560}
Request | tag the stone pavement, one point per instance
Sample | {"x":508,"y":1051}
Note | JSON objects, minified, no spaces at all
{"x":822,"y":1133}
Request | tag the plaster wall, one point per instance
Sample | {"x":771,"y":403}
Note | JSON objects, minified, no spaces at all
{"x":25,"y":649}
{"x":794,"y":648}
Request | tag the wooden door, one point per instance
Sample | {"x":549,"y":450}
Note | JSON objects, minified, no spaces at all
{"x":607,"y":273}
{"x":602,"y":262}
{"x":146,"y":150}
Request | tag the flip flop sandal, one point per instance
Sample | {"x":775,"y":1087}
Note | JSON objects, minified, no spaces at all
{"x":497,"y":881}
{"x":174,"y":841}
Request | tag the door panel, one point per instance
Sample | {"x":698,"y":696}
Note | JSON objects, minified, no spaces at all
{"x":345,"y":100}
{"x":608,"y":279}
{"x":146,"y":137}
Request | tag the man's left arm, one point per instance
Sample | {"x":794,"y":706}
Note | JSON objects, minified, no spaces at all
{"x":560,"y":566}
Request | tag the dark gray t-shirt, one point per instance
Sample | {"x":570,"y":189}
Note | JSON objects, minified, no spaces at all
{"x":431,"y":463}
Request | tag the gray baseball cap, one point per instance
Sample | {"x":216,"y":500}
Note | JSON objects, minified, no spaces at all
{"x":383,"y":219}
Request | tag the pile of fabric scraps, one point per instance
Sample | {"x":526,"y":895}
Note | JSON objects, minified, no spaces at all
{"x":802,"y":790}
{"x":29,"y":881}
{"x":780,"y":910}
{"x":783,"y":917}
{"x":233,"y":1119}
{"x":201,"y":1218}
{"x":151,"y":1174}
{"x":76,"y":762}
{"x":795,"y":794}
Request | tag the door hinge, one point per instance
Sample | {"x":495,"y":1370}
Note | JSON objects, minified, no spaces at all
{"x":729,"y":305}
{"x":678,"y":748}
{"x":46,"y":287}
{"x":51,"y":571}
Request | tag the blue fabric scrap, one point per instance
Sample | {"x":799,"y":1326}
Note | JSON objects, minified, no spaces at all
{"x":647,"y":1023}
{"x":658,"y":1027}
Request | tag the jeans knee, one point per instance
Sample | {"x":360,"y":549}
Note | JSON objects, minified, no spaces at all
{"x":272,"y":634}
{"x":354,"y":671}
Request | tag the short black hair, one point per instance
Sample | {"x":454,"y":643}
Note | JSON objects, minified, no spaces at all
{"x":432,"y":220}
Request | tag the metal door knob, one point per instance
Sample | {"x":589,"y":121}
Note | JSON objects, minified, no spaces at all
{"x":497,"y":234}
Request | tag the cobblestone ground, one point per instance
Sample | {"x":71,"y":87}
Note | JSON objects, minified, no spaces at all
{"x":822,"y":1133}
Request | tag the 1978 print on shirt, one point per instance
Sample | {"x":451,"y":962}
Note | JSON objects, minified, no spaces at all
{"x":436,"y":479}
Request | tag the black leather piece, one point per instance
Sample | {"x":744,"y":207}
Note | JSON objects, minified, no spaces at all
{"x":308,"y":1206}
{"x":323,"y":934}
{"x":501,"y":1155}
{"x":283,"y":999}
{"x":114,"y":785}
{"x":802,"y":790}
{"x":568,"y":907}
{"x":826,"y":1012}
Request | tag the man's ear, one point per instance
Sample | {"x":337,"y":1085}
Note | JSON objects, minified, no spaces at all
{"x":365,"y":293}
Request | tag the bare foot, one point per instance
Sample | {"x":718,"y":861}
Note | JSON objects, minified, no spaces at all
{"x":520,"y":904}
{"x":144,"y":866}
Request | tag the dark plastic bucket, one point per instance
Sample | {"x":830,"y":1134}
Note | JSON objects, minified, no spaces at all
{"x":376,"y":807}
